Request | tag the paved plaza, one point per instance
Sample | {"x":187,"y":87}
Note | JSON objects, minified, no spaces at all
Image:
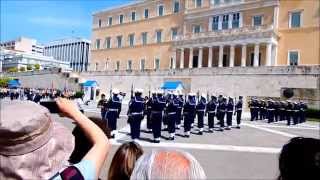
{"x":247,"y":153}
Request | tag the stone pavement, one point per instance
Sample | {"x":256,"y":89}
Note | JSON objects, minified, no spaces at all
{"x":247,"y":153}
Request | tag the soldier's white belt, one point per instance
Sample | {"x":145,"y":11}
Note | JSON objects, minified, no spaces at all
{"x":201,"y":110}
{"x":156,"y":111}
{"x":239,"y":109}
{"x":230,"y":111}
{"x":172,"y":113}
{"x":211,"y":111}
{"x":137,"y":113}
{"x":112,"y":109}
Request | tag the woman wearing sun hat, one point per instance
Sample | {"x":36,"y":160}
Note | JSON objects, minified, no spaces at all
{"x":33,"y":146}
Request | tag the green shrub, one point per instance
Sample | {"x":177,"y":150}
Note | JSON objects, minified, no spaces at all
{"x":4,"y":81}
{"x":22,"y":69}
{"x":13,"y":69}
{"x":313,"y":113}
{"x":37,"y":66}
{"x":79,"y":94}
{"x":29,"y":67}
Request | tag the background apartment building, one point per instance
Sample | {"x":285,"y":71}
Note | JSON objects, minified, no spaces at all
{"x":162,"y":34}
{"x":23,"y":44}
{"x":75,"y":51}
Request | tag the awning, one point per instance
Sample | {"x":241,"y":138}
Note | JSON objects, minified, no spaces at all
{"x":90,"y":84}
{"x":14,"y":83}
{"x":172,"y":85}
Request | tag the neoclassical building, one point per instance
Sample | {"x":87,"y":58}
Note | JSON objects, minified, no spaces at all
{"x":163,"y":34}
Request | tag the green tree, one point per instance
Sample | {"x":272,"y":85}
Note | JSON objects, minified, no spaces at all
{"x":22,"y":69}
{"x":4,"y":81}
{"x":29,"y":67}
{"x":37,"y":66}
{"x":13,"y":69}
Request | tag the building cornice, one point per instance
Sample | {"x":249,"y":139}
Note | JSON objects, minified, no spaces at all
{"x":231,"y":8}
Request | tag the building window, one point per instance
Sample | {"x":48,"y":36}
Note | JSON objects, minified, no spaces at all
{"x":96,"y":68}
{"x":158,"y":36}
{"x":174,"y":33}
{"x":97,"y":43}
{"x":215,"y":23}
{"x":293,"y":58}
{"x":171,"y":63}
{"x":160,"y":10}
{"x":146,"y":13}
{"x":133,"y":16}
{"x":108,"y":42}
{"x":257,"y":20}
{"x":198,"y":3}
{"x":142,"y":64}
{"x":121,"y":17}
{"x":196,"y":29}
{"x":216,"y":2}
{"x":119,"y":41}
{"x":295,"y":20}
{"x":110,"y":21}
{"x":144,"y":38}
{"x":117,"y":66}
{"x":157,"y":63}
{"x":129,"y":65}
{"x":235,"y":20}
{"x":225,"y":21}
{"x":131,"y":40}
{"x":176,"y":6}
{"x":100,"y":23}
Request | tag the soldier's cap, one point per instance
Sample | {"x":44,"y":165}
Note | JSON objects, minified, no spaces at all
{"x":192,"y":94}
{"x":240,"y":97}
{"x":203,"y":95}
{"x":160,"y":92}
{"x":115,"y":91}
{"x":230,"y":98}
{"x":175,"y":93}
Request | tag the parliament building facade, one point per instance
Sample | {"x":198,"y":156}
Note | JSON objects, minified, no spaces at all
{"x":180,"y":34}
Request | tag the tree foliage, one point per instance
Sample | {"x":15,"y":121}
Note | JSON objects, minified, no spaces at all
{"x":37,"y":66}
{"x":13,"y":69}
{"x":4,"y":81}
{"x":22,"y":69}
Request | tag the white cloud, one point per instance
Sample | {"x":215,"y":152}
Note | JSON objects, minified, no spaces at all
{"x":56,"y":21}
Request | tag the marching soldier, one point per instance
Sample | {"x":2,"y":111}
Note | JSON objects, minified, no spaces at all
{"x":250,"y":104}
{"x":302,"y":112}
{"x":270,"y":110}
{"x":295,"y":113}
{"x":259,"y":109}
{"x":135,"y":115}
{"x":149,"y":107}
{"x":282,"y":111}
{"x":289,"y":111}
{"x":179,"y":110}
{"x":277,"y":111}
{"x":211,"y":110}
{"x":221,"y":110}
{"x":171,"y":110}
{"x":113,"y":111}
{"x":238,"y":111}
{"x":157,"y":107}
{"x":229,"y":108}
{"x":200,"y":108}
{"x":189,"y":113}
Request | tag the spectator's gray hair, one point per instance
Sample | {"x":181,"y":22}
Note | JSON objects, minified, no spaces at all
{"x":167,"y":164}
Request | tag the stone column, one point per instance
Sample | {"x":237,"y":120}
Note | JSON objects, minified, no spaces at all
{"x":220,"y":22}
{"x":174,"y":60}
{"x":256,"y":55}
{"x":181,"y":58}
{"x":243,"y":55}
{"x":210,"y":57}
{"x":220,"y":56}
{"x":268,"y":54}
{"x":191,"y":58}
{"x":200,"y":57}
{"x":230,"y":21}
{"x":231,"y":59}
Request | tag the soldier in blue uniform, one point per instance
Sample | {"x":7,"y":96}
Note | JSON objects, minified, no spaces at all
{"x":149,"y":106}
{"x":270,"y":110}
{"x":113,"y":111}
{"x":200,"y":109}
{"x":171,"y":114}
{"x":229,"y":109}
{"x":179,"y":110}
{"x":189,"y":110}
{"x":302,"y":112}
{"x":135,"y":114}
{"x":211,"y":111}
{"x":221,"y":110}
{"x":282,"y":111}
{"x":238,"y":111}
{"x":295,"y":113}
{"x":157,"y":107}
{"x":289,"y":112}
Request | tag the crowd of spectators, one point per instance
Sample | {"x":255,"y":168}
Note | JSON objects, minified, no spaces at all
{"x":34,"y":146}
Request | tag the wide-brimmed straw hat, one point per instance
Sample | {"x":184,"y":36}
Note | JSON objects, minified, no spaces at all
{"x":32,"y":144}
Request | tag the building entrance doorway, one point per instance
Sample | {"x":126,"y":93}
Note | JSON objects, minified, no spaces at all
{"x":195,"y":61}
{"x":252,"y":59}
{"x":225,"y":59}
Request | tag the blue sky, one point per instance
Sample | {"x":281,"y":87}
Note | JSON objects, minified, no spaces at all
{"x":47,"y":20}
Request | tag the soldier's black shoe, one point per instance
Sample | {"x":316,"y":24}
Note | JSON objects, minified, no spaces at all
{"x":238,"y":127}
{"x":200,"y":133}
{"x":156,"y":141}
{"x":227,"y":128}
{"x":112,"y":136}
{"x":171,"y":138}
{"x":210,"y":130}
{"x":187,"y":136}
